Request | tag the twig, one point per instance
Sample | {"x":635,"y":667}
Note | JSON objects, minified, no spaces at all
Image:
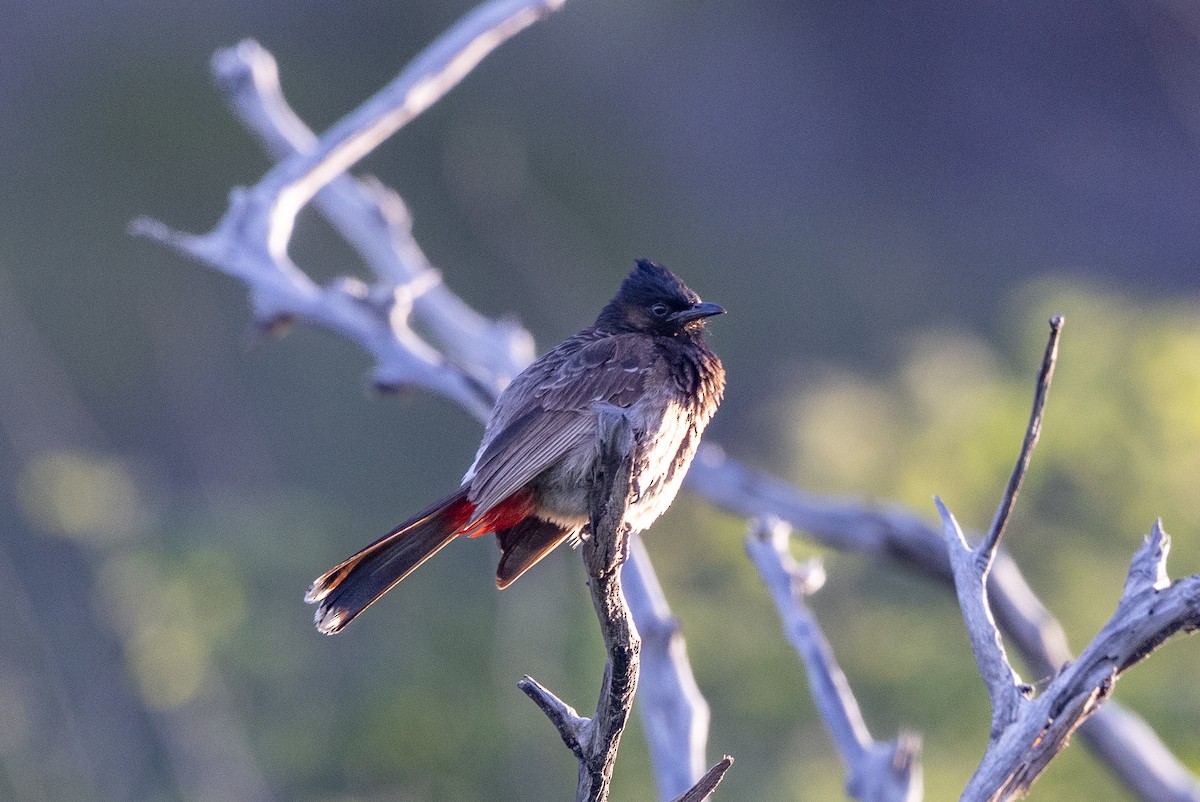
{"x":570,"y":725}
{"x":603,"y":553}
{"x":971,"y":566}
{"x":876,"y":772}
{"x":708,"y":783}
{"x":1033,"y":432}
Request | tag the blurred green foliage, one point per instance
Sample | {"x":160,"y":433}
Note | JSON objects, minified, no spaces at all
{"x":884,"y":196}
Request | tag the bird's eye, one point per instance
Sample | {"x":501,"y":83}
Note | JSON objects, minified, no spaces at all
{"x":660,"y":310}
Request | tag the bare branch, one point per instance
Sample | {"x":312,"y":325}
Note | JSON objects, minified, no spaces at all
{"x":789,"y":582}
{"x":703,"y":789}
{"x":879,"y":772}
{"x":1027,"y":734}
{"x":603,"y":553}
{"x":570,"y":725}
{"x":1032,"y":432}
{"x":971,"y":567}
{"x":1126,"y":744}
{"x":1151,"y":610}
{"x":891,"y":771}
{"x":250,"y":242}
{"x":594,"y":741}
{"x":434,"y":72}
{"x":376,"y":222}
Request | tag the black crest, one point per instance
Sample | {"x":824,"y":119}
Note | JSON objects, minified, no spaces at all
{"x":654,"y":300}
{"x":650,"y":282}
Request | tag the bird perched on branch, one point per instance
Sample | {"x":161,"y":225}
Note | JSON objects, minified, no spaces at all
{"x":645,"y":356}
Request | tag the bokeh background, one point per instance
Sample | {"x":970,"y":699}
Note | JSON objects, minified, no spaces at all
{"x":889,"y":198}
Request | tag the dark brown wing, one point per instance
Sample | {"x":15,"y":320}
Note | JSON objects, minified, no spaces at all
{"x":551,"y":408}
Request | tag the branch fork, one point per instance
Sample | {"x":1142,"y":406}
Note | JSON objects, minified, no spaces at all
{"x":250,"y":242}
{"x":1027,"y":731}
{"x":1033,"y":730}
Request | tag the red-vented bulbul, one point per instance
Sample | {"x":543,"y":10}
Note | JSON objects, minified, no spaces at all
{"x":646,"y":355}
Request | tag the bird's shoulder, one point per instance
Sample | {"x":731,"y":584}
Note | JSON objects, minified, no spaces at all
{"x":592,"y":366}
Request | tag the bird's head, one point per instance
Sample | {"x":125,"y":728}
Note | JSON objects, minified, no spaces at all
{"x":654,"y":300}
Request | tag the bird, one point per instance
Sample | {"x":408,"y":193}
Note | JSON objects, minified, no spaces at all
{"x":645,"y":357}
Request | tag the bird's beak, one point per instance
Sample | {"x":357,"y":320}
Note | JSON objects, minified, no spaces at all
{"x":698,"y":311}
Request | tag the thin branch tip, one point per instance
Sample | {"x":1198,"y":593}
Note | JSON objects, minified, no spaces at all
{"x":771,"y":534}
{"x":707,"y":784}
{"x":1157,"y":531}
{"x":571,"y":726}
{"x":150,"y":228}
{"x":247,"y":50}
{"x":812,"y":575}
{"x":1160,"y":541}
{"x":1148,"y":568}
{"x":950,"y":527}
{"x":548,"y":6}
{"x":1033,"y":431}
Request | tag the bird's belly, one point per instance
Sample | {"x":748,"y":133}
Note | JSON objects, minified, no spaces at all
{"x":663,"y":456}
{"x":665,"y":442}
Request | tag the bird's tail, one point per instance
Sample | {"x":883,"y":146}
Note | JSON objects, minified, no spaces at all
{"x":351,"y":587}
